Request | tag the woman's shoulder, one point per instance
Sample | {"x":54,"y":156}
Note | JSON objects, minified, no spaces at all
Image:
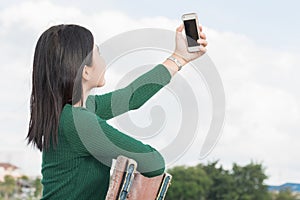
{"x":77,"y":119}
{"x":77,"y":114}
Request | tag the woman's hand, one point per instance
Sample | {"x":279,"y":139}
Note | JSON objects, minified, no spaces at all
{"x":181,"y":51}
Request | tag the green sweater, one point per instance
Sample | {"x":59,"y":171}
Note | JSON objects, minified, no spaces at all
{"x":79,"y":167}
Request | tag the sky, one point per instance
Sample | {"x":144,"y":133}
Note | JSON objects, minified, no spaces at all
{"x":253,"y":44}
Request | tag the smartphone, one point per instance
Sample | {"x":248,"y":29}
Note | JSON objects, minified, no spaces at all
{"x":191,"y":28}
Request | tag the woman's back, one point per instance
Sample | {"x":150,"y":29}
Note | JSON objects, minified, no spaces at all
{"x":68,"y":174}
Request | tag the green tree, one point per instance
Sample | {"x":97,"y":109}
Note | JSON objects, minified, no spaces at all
{"x":223,"y":183}
{"x":38,"y":187}
{"x":285,"y":194}
{"x":215,"y":183}
{"x":188,"y":183}
{"x":249,"y":182}
{"x":8,"y":186}
{"x":24,"y":177}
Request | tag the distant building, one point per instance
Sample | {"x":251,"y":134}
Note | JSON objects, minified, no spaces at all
{"x":8,"y":169}
{"x":294,"y":187}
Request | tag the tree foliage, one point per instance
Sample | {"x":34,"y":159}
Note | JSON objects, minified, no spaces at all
{"x":213,"y":182}
{"x":190,"y":183}
{"x":285,"y":194}
{"x":38,"y":187}
{"x":11,"y":188}
{"x":7,"y":187}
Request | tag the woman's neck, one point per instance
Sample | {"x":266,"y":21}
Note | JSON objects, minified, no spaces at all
{"x":84,"y":95}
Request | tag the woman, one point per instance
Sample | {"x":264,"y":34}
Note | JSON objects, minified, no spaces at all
{"x":69,"y":126}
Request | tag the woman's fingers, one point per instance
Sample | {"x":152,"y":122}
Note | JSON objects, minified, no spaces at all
{"x":200,"y":27}
{"x":202,"y":42}
{"x":203,"y":49}
{"x":202,"y":35}
{"x":202,"y":39}
{"x":180,"y":28}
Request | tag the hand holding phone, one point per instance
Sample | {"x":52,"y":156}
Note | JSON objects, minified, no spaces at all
{"x":191,"y":27}
{"x":192,"y":45}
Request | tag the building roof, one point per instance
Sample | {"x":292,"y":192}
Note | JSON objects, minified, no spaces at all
{"x":295,"y":187}
{"x":8,"y":166}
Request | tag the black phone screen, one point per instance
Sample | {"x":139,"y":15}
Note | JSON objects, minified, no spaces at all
{"x":191,"y":32}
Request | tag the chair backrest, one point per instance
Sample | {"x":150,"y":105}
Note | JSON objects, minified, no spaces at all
{"x":127,"y":183}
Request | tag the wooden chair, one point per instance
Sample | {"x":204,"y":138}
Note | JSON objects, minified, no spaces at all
{"x":127,"y":183}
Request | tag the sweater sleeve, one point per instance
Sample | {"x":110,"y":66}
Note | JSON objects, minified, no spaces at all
{"x":88,"y":135}
{"x":132,"y":96}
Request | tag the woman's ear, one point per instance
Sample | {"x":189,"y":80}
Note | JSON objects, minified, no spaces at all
{"x":86,"y":73}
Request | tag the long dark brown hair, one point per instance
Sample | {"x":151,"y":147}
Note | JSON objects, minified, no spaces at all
{"x":60,"y":55}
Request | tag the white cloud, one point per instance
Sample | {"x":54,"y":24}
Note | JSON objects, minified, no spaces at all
{"x":36,"y":15}
{"x":263,"y":108}
{"x":260,"y":85}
